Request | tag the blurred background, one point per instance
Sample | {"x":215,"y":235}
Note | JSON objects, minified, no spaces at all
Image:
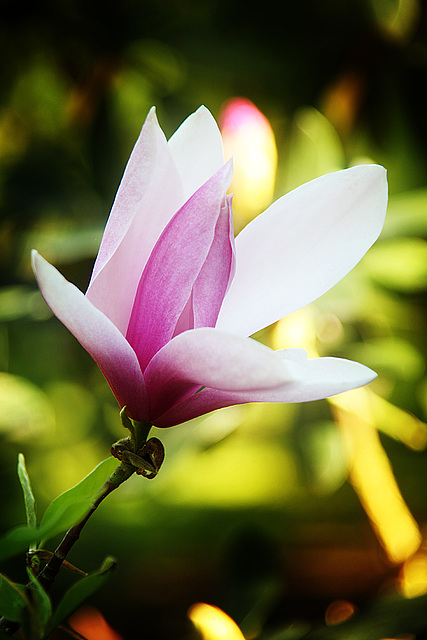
{"x":283,"y":516}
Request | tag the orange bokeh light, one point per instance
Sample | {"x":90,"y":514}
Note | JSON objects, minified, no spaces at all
{"x":91,"y":624}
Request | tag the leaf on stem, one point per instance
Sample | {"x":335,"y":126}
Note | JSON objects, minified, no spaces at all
{"x":12,"y":599}
{"x":80,"y":591}
{"x":64,"y":512}
{"x":72,"y":505}
{"x":41,"y":608}
{"x":30,"y":503}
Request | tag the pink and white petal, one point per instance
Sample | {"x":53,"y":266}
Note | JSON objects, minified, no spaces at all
{"x":208,"y":289}
{"x":196,"y":147}
{"x":133,"y":185}
{"x":229,"y":198}
{"x":186,"y":318}
{"x":173,"y":267}
{"x":213,"y":280}
{"x":315,"y":379}
{"x":211,"y":358}
{"x":302,"y":245}
{"x":150,"y":193}
{"x":97,"y":334}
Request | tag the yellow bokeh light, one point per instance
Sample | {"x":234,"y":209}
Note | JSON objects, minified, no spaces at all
{"x":249,"y":139}
{"x":299,"y":328}
{"x":372,"y":478}
{"x":413,"y":578}
{"x":359,"y":413}
{"x":396,"y":422}
{"x":213,"y":624}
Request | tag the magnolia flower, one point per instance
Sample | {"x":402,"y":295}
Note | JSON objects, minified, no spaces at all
{"x":174,"y":297}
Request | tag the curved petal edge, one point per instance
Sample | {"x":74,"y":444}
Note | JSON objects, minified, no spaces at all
{"x":97,"y":334}
{"x":314,"y":380}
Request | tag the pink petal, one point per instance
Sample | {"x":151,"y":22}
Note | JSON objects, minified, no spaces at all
{"x":216,"y":273}
{"x":314,"y":379}
{"x":173,"y":267}
{"x":196,"y":148}
{"x":212,"y":358}
{"x":215,"y":276}
{"x":303,"y":245}
{"x":149,"y":195}
{"x":97,"y":334}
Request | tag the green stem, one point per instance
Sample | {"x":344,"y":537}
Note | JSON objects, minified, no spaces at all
{"x":142,"y":429}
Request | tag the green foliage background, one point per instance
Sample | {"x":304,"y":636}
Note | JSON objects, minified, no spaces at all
{"x":252,"y":510}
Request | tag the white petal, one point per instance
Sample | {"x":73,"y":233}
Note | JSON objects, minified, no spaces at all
{"x":321,"y":377}
{"x":314,"y":379}
{"x":208,"y":357}
{"x":196,"y":148}
{"x":97,"y":334}
{"x":303,"y":245}
{"x":149,"y":195}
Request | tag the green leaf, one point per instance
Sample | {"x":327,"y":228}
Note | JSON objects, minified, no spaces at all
{"x":29,"y":500}
{"x":12,"y":599}
{"x":80,"y":591}
{"x":40,"y":602}
{"x":17,"y":540}
{"x":65,"y":511}
{"x":72,"y":505}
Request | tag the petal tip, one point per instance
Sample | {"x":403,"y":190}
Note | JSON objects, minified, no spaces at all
{"x":203,"y":110}
{"x":151,"y":118}
{"x":380,"y":171}
{"x":228,"y":170}
{"x":374,"y":171}
{"x":204,"y":119}
{"x":35,"y":258}
{"x":363,"y":375}
{"x":370,"y":374}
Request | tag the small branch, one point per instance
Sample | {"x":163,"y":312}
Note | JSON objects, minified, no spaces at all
{"x":49,"y":572}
